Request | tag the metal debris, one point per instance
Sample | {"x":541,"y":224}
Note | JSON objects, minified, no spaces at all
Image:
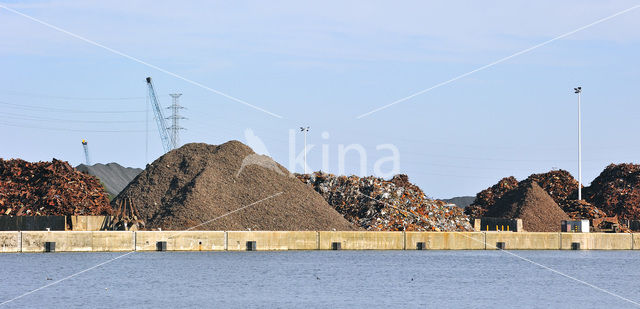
{"x":380,"y":205}
{"x":49,"y":189}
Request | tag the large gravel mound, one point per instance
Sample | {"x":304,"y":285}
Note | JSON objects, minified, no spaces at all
{"x":226,"y":187}
{"x":113,"y":175}
{"x":538,"y":211}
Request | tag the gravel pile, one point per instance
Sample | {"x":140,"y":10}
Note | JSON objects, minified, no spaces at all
{"x":226,"y":187}
{"x":460,"y":201}
{"x":380,"y":205}
{"x":113,"y":175}
{"x":538,"y":211}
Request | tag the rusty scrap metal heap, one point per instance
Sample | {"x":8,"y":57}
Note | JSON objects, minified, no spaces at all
{"x":49,"y":188}
{"x":380,"y":205}
{"x":563,"y":189}
{"x":559,"y":184}
{"x":578,"y":210}
{"x":617,"y":191}
{"x":488,"y":197}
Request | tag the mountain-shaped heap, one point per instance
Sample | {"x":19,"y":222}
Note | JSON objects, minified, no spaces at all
{"x":226,"y":187}
{"x":538,"y":211}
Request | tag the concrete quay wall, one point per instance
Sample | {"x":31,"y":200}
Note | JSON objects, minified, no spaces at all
{"x":524,"y":240}
{"x":100,"y":241}
{"x":446,"y":240}
{"x":598,"y":241}
{"x":10,"y":242}
{"x":70,"y":241}
{"x":180,"y":240}
{"x":362,"y":240}
{"x":272,"y":240}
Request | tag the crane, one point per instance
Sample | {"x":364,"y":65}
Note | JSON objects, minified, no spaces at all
{"x":167,"y":141}
{"x":86,"y":151}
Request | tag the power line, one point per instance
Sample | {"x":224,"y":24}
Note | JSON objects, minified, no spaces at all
{"x":66,"y":130}
{"x":64,"y":110}
{"x":28,"y":117}
{"x":36,"y":95}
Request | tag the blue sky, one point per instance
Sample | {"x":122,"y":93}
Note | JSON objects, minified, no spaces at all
{"x":322,"y":64}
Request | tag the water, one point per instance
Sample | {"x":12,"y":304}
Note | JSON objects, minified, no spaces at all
{"x":322,"y":279}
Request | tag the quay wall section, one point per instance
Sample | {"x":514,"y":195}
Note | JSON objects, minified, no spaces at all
{"x":114,"y":241}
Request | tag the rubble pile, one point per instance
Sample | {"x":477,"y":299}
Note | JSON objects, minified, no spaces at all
{"x":536,"y":208}
{"x":49,"y":188}
{"x":617,"y":191}
{"x":580,"y":209}
{"x":380,"y":205}
{"x":558,"y":184}
{"x":488,"y":197}
{"x":226,"y":187}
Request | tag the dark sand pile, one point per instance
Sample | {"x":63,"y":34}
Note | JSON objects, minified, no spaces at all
{"x":198,"y":183}
{"x":113,"y":175}
{"x":538,"y":211}
{"x":460,"y":201}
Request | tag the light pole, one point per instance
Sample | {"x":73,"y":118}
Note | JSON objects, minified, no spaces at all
{"x":305,"y":130}
{"x":578,"y":90}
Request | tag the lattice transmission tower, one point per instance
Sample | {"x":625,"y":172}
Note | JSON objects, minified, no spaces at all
{"x":175,"y":118}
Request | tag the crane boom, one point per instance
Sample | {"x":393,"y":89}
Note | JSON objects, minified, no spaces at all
{"x":86,"y":151}
{"x":167,"y":142}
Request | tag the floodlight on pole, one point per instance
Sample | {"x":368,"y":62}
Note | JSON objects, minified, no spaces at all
{"x":578,"y":90}
{"x":305,"y":130}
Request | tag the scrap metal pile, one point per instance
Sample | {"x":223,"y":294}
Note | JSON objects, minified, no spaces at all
{"x":617,"y":191}
{"x":581,"y":209}
{"x":380,"y":205}
{"x":559,"y":184}
{"x":488,"y":197}
{"x":563,"y":189}
{"x":49,"y":188}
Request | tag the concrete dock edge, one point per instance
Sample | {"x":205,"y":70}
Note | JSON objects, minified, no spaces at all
{"x":105,"y":241}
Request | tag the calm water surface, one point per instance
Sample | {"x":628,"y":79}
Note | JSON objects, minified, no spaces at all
{"x":322,"y":279}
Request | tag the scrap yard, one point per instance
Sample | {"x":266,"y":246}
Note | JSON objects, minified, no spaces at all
{"x":200,"y":187}
{"x":319,"y":154}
